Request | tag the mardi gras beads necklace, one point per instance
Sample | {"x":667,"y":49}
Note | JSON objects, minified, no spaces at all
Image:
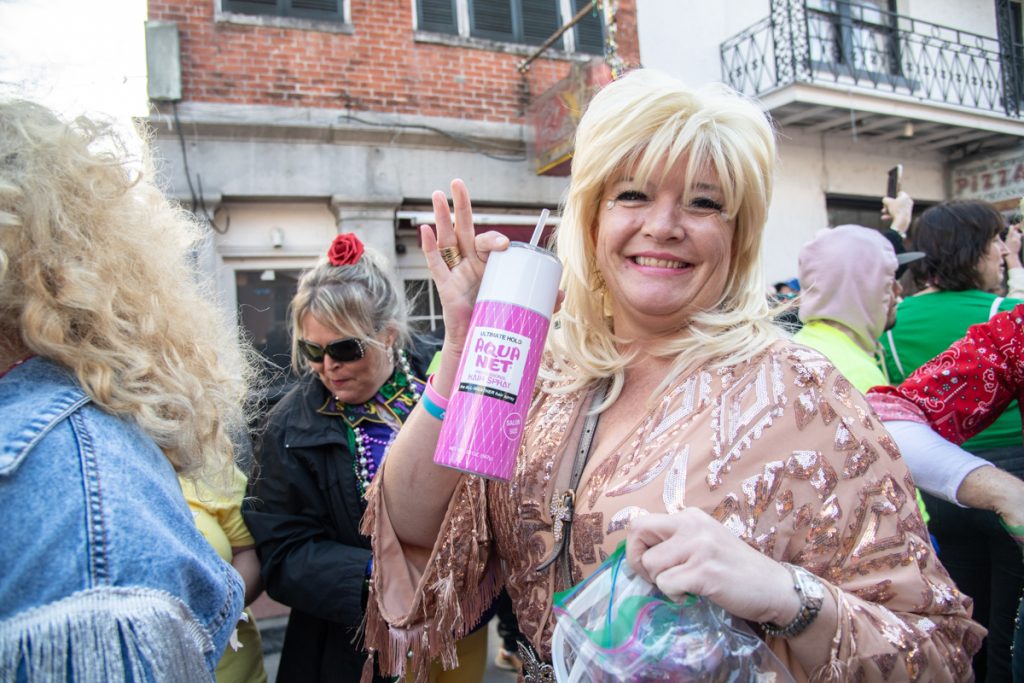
{"x":372,"y":433}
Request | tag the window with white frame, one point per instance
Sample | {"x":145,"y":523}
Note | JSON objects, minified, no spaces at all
{"x":425,"y":305}
{"x":528,"y":22}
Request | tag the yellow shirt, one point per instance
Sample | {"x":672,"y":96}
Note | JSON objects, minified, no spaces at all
{"x":860,"y":368}
{"x":218,"y":515}
{"x":856,"y":364}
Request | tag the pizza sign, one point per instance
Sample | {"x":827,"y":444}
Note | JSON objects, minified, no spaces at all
{"x":995,"y":179}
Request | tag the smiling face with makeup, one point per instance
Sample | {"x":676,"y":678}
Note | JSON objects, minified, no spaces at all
{"x":676,"y":256}
{"x":663,"y":251}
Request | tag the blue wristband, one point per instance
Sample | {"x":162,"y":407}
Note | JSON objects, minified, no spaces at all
{"x":431,"y":407}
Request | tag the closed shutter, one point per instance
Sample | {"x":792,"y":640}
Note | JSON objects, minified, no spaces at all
{"x":314,"y":9}
{"x":306,"y":9}
{"x":437,"y":15}
{"x":589,"y":31}
{"x":251,"y":6}
{"x":492,"y":19}
{"x":540,"y":20}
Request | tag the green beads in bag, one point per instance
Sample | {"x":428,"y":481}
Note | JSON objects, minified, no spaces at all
{"x":615,"y":626}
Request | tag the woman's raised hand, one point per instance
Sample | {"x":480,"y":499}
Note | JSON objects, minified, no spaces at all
{"x":457,"y":286}
{"x":691,"y":552}
{"x":899,"y":210}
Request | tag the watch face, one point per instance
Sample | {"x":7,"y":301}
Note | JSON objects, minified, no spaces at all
{"x":810,"y":585}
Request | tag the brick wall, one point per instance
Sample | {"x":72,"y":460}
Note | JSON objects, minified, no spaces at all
{"x":379,"y":67}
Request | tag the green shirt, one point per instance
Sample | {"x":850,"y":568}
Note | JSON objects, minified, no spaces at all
{"x":926,"y":325}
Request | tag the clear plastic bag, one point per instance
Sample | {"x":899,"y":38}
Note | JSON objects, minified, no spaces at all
{"x":614,"y":626}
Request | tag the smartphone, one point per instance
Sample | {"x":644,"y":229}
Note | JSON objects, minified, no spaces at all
{"x":895,"y":183}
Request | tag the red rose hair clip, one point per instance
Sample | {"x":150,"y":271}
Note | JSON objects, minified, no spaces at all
{"x":346,"y":250}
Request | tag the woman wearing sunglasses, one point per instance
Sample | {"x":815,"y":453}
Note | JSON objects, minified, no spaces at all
{"x":362,"y":374}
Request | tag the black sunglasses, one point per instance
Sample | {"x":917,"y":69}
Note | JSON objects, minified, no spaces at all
{"x":341,"y":350}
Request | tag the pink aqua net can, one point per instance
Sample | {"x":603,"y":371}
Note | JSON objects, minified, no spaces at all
{"x":483,"y":425}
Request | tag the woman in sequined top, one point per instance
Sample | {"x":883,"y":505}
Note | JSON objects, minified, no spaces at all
{"x":736,"y":464}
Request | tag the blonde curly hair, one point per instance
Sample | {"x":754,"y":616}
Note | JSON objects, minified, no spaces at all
{"x":95,"y":274}
{"x":641,"y":121}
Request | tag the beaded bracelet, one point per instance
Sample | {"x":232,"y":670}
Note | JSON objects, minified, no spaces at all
{"x":435,"y":403}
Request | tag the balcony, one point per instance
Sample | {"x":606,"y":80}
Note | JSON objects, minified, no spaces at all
{"x":839,"y":66}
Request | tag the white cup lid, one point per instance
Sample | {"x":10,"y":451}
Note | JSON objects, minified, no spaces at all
{"x":523,"y":275}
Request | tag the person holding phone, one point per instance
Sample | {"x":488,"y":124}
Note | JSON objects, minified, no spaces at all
{"x":895,"y":181}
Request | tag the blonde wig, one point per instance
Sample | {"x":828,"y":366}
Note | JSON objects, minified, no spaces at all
{"x":638,"y":123}
{"x":359,"y":300}
{"x":96,"y":274}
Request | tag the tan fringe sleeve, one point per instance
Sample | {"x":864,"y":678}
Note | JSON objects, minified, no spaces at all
{"x":416,"y":611}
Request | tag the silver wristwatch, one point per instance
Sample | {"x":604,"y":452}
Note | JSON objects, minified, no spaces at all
{"x":811,"y":592}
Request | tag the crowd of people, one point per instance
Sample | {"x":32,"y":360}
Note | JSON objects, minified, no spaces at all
{"x":774,"y":472}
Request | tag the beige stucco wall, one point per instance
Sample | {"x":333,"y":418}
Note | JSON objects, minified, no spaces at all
{"x":812,"y":166}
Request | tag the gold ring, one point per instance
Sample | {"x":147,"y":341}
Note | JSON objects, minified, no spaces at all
{"x":451,"y":256}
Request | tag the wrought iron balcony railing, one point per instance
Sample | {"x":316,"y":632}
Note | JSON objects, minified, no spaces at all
{"x":848,"y":44}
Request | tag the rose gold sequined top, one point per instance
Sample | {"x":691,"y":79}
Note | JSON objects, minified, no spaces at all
{"x":782,"y":450}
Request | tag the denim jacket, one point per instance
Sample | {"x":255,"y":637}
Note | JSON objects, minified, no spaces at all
{"x":104,"y":576}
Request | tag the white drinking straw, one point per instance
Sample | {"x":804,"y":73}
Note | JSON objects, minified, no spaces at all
{"x":540,"y":227}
